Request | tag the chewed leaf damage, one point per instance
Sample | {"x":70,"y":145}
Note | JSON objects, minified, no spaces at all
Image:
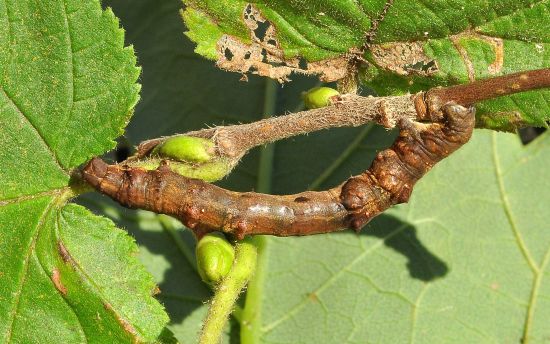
{"x":265,"y":57}
{"x":404,"y":58}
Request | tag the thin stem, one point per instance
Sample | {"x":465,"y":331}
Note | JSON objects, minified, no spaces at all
{"x":251,"y":316}
{"x":476,"y":91}
{"x":352,"y":111}
{"x":227,"y":292}
{"x":226,"y":296}
{"x":348,"y":111}
{"x":265,"y":167}
{"x":497,"y":87}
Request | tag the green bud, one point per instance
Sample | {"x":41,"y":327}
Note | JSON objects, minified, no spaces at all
{"x":319,"y":97}
{"x":186,"y":148}
{"x":215,"y":257}
{"x":209,"y":171}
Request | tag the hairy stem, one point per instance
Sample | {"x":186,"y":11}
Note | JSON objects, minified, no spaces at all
{"x":348,"y":111}
{"x":352,"y":111}
{"x":227,"y":292}
{"x":476,"y":91}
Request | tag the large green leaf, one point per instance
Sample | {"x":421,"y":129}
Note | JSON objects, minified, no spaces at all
{"x":67,"y":88}
{"x":418,"y":44}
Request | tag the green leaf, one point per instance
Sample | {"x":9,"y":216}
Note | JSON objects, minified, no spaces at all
{"x":417,"y":45}
{"x":168,"y":251}
{"x":67,"y":89}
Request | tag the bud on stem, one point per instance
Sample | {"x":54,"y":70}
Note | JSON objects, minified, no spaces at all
{"x":186,"y":148}
{"x":215,"y":257}
{"x":319,"y":97}
{"x":189,"y":156}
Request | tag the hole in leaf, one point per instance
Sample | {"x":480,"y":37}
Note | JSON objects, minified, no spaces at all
{"x":421,"y":66}
{"x":302,"y":63}
{"x":261,"y":30}
{"x":247,"y":11}
{"x":264,"y":56}
{"x":228,"y":54}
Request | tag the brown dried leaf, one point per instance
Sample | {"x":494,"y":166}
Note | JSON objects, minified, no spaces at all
{"x":265,"y":57}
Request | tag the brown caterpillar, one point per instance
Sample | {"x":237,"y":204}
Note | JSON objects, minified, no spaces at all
{"x":205,"y":207}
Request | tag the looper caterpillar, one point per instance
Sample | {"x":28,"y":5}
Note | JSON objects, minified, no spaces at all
{"x":204,"y":207}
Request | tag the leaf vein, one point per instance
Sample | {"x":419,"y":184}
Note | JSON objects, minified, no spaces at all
{"x":12,"y":101}
{"x":55,"y":192}
{"x":537,"y":271}
{"x":508,"y":212}
{"x":34,"y":127}
{"x":9,"y":36}
{"x":71,"y":69}
{"x":520,"y":9}
{"x":269,"y":327}
{"x":414,"y":315}
{"x":23,"y":278}
{"x":62,"y":296}
{"x":86,"y":278}
{"x":341,"y":158}
{"x":534,"y":297}
{"x":435,"y":14}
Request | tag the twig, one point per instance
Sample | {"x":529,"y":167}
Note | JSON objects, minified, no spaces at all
{"x":352,"y":111}
{"x":347,"y":111}
{"x":477,"y":91}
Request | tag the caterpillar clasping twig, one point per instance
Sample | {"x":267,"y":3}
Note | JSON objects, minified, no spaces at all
{"x":204,"y":207}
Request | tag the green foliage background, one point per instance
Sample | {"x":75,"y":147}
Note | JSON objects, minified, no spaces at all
{"x":465,"y":261}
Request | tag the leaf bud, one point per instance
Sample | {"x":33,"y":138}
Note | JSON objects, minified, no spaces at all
{"x":186,"y":148}
{"x":319,"y":97}
{"x":215,"y":257}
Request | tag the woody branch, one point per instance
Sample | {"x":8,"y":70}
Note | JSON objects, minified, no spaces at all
{"x":353,"y":110}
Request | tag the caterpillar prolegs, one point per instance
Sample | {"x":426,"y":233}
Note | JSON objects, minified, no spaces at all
{"x":205,"y":207}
